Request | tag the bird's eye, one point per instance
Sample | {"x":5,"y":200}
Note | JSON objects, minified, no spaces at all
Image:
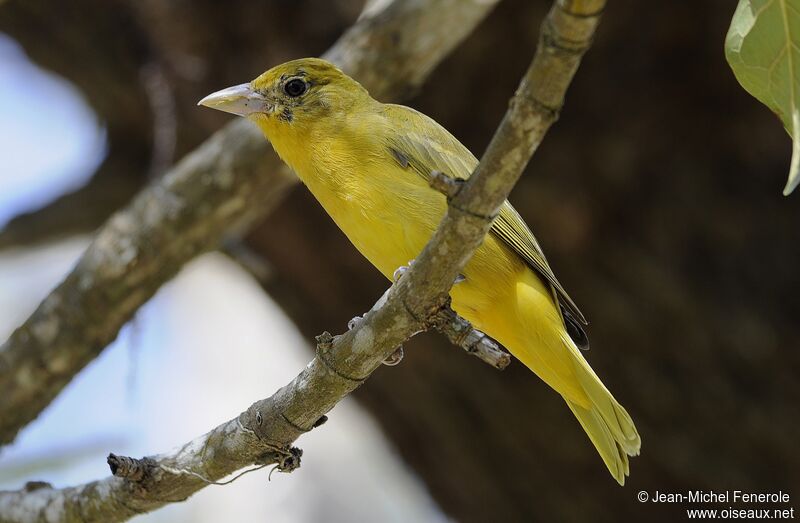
{"x":295,"y":87}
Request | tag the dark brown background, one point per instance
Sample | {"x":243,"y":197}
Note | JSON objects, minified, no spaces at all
{"x":657,"y":197}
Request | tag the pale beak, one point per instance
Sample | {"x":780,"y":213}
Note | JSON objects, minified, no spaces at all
{"x":240,"y":99}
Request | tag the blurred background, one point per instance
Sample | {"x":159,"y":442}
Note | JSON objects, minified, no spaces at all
{"x":657,"y":198}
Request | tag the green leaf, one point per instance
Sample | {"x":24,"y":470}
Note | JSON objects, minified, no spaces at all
{"x":763,"y":49}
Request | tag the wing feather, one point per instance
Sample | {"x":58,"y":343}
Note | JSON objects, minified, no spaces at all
{"x":438,"y":150}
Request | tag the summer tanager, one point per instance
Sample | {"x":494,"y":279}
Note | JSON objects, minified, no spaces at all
{"x":368,"y":164}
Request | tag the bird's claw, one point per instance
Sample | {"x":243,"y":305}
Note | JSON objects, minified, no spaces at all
{"x":401,"y":270}
{"x":395,"y":358}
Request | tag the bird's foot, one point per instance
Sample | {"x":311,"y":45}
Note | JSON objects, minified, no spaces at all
{"x":395,"y":358}
{"x":403,"y":268}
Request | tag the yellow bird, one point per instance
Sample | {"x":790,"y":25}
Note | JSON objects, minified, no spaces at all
{"x":368,"y":164}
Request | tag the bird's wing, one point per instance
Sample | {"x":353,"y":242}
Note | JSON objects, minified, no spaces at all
{"x":419,"y":143}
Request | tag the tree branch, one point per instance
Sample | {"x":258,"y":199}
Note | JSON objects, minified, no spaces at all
{"x":77,"y":212}
{"x":265,"y":431}
{"x":229,"y":182}
{"x":462,"y":334}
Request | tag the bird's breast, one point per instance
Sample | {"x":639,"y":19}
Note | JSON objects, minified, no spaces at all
{"x":387,"y":212}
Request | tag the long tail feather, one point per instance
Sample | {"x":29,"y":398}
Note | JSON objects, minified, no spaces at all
{"x":607,"y":423}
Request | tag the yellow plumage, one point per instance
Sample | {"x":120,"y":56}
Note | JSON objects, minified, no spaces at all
{"x":367,"y":163}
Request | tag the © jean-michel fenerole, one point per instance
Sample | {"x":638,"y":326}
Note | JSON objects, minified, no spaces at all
{"x":368,"y":164}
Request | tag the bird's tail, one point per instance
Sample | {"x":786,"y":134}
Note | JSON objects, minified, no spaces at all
{"x":607,"y":423}
{"x":546,"y":348}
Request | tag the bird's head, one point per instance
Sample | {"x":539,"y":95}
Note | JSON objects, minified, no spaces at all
{"x":291,"y":98}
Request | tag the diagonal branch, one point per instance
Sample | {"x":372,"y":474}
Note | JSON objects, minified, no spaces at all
{"x":229,"y":182}
{"x":265,"y":431}
{"x":77,"y":212}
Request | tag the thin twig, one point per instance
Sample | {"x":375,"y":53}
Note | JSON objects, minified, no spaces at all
{"x":462,"y":334}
